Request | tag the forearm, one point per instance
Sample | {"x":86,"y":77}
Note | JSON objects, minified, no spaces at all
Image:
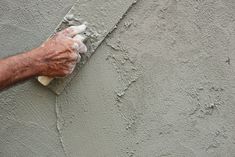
{"x":57,"y":57}
{"x":18,"y":68}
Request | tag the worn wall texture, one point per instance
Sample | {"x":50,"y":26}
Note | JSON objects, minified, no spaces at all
{"x":161,"y":85}
{"x":27,"y":112}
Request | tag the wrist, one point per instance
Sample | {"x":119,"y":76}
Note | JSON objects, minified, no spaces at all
{"x":35,"y":61}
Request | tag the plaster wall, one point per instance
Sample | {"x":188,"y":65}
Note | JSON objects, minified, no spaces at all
{"x":162,"y":84}
{"x":27,"y":112}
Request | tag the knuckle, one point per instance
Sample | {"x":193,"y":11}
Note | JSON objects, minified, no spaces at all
{"x":74,"y":56}
{"x":67,"y":72}
{"x":83,"y":48}
{"x":63,"y":73}
{"x":68,"y":68}
{"x":75,"y":46}
{"x":68,"y":30}
{"x":80,"y":47}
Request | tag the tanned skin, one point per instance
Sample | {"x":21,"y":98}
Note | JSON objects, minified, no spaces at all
{"x":56,"y":57}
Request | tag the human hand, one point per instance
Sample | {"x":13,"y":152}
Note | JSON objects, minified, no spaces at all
{"x":58,"y":55}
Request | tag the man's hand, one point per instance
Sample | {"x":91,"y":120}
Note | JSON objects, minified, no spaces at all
{"x":58,"y":56}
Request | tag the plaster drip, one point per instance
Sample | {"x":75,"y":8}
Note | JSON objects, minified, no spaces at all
{"x":59,"y":119}
{"x":58,"y":109}
{"x":123,"y":91}
{"x":58,"y":128}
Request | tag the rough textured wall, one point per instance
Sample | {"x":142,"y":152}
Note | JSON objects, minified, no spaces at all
{"x":161,"y":85}
{"x":27,"y":113}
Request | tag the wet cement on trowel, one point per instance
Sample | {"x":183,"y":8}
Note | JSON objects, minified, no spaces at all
{"x":161,"y":85}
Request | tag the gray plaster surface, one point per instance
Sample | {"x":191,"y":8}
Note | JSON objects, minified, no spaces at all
{"x":101,"y":22}
{"x":27,"y":111}
{"x":161,"y":85}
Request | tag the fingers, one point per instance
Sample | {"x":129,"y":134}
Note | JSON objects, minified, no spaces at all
{"x":72,"y":65}
{"x":83,"y":48}
{"x":80,"y":48}
{"x":70,"y":57}
{"x":75,"y":57}
{"x":79,"y":58}
{"x":79,"y":38}
{"x":74,"y":30}
{"x":79,"y":45}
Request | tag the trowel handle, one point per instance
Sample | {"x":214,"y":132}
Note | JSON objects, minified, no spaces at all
{"x":44,"y":80}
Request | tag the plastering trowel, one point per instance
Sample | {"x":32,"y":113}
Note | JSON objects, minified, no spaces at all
{"x":102,"y":17}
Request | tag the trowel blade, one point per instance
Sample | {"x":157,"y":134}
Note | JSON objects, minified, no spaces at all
{"x":102,"y":17}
